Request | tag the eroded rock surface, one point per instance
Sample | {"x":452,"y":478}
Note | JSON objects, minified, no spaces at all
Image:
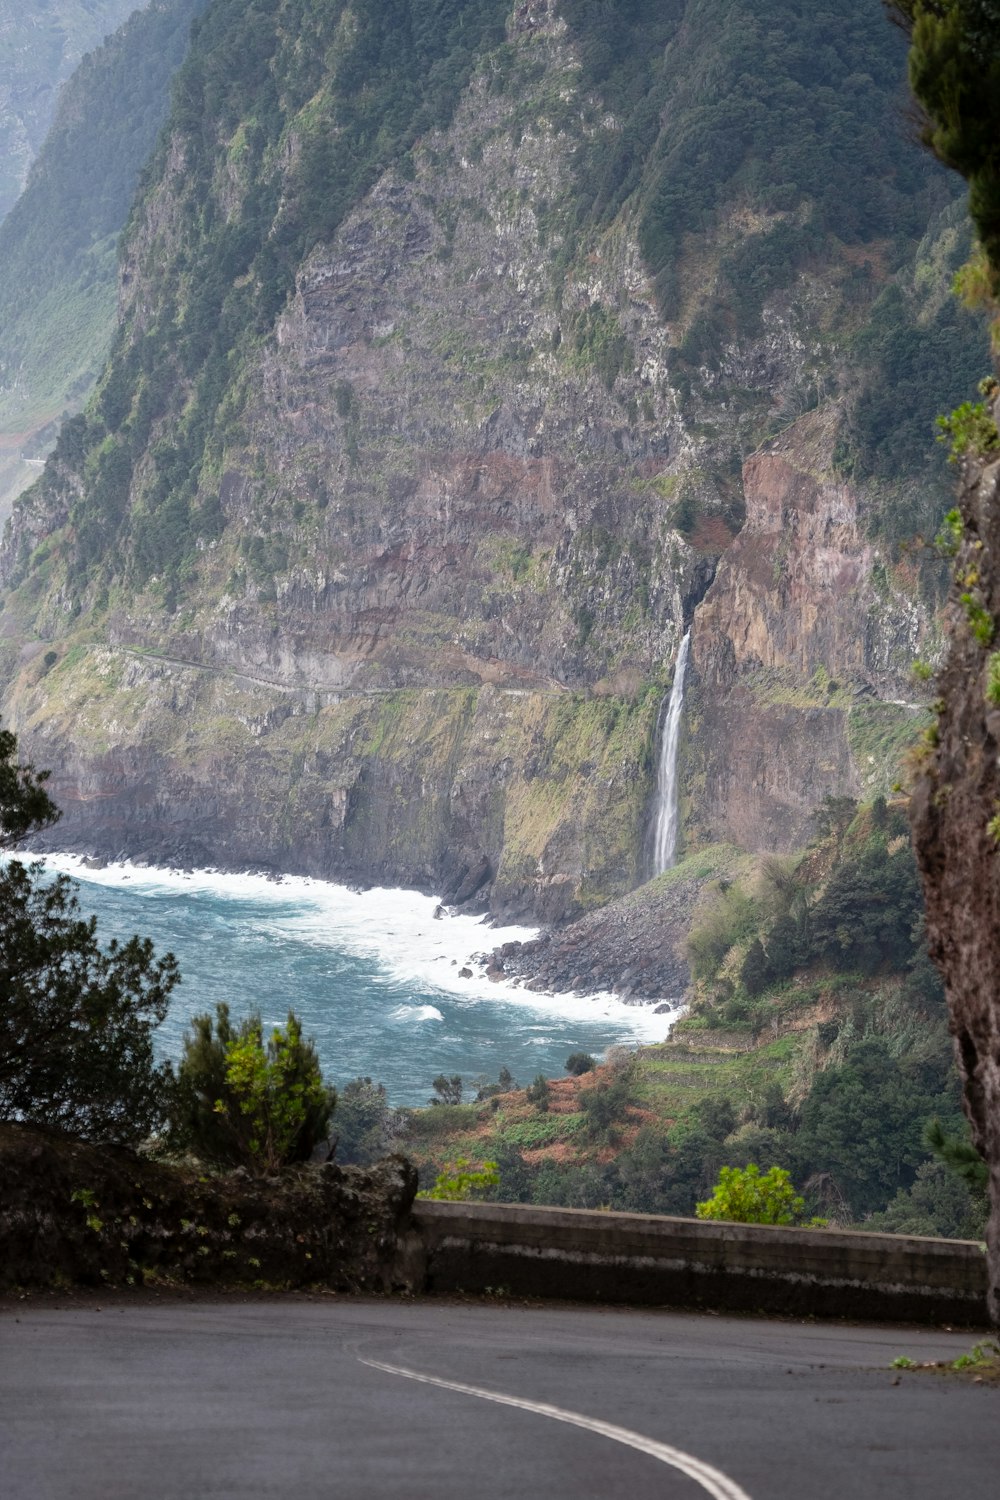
{"x":955,"y":808}
{"x":801,"y":653}
{"x":72,"y":1213}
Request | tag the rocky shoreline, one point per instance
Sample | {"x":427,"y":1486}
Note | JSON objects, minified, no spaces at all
{"x":633,"y":947}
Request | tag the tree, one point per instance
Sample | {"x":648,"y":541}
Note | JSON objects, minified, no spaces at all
{"x":366,"y":1124}
{"x":954,"y":67}
{"x":863,"y":1123}
{"x":743,"y":1195}
{"x":447,"y":1090}
{"x":25,"y":806}
{"x":579,"y":1063}
{"x":241,"y":1100}
{"x":537,"y":1093}
{"x":76,"y":1020}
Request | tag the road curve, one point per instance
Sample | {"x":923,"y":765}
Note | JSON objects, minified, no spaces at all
{"x":435,"y":1401}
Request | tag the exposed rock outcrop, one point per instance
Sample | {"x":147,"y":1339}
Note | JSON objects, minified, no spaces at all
{"x":633,"y":947}
{"x":955,"y":811}
{"x":801,"y":653}
{"x":73,"y":1214}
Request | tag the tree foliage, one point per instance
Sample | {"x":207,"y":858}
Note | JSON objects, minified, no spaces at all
{"x":76,"y":1019}
{"x":245,"y":1100}
{"x":367,"y":1126}
{"x":954,"y":67}
{"x":447,"y":1090}
{"x":25,"y":805}
{"x":748,"y":1196}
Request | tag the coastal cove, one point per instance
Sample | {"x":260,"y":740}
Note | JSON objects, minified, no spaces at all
{"x":373,"y":975}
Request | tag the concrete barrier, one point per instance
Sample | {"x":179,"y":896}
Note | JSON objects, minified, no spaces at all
{"x":649,"y":1260}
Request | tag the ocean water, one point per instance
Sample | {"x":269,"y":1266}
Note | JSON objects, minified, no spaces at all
{"x":373,"y":975}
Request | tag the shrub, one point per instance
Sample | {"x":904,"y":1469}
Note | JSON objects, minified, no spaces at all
{"x":606,"y":1106}
{"x":743,"y":1196}
{"x":242,"y":1101}
{"x":460,"y":1180}
{"x":537,"y":1093}
{"x":579,"y":1063}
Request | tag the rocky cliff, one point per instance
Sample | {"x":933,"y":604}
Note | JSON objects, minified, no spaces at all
{"x":802,"y":653}
{"x":956,"y":819}
{"x":373,"y":553}
{"x":58,"y":266}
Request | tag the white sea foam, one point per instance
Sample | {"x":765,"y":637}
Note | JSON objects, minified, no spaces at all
{"x":412,"y":941}
{"x":417,"y":1013}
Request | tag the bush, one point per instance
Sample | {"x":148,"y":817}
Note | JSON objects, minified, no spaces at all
{"x":242,"y":1101}
{"x":606,"y":1106}
{"x":743,"y":1196}
{"x":460,"y":1180}
{"x":579,"y":1063}
{"x":537,"y":1093}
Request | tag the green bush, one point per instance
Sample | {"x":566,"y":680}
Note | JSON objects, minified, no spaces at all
{"x":241,"y":1100}
{"x":743,"y":1195}
{"x":461,"y":1180}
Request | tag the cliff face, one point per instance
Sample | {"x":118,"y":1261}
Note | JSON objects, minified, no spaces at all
{"x":955,"y":803}
{"x":372,"y":556}
{"x":802,"y":653}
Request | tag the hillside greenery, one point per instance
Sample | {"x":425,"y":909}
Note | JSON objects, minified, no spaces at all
{"x":816,"y":1042}
{"x":43,"y":40}
{"x":58,"y":262}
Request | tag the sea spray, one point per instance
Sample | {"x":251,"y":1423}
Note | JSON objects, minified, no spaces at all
{"x":667,"y":802}
{"x":376,"y":976}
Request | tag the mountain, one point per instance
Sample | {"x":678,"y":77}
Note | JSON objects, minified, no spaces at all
{"x":41,"y":42}
{"x":465,"y":360}
{"x":58,"y":263}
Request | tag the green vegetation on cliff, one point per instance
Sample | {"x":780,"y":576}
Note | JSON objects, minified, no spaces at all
{"x":816,"y":1042}
{"x":58,"y":263}
{"x":43,"y":40}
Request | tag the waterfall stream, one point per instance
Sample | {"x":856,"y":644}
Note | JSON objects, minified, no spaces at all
{"x":667,"y":808}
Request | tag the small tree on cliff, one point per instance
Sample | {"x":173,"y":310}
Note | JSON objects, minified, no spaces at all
{"x":76,"y":1020}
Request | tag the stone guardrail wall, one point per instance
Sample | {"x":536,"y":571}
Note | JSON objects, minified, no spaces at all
{"x":648,"y":1260}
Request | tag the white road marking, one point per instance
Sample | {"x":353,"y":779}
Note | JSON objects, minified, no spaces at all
{"x":718,"y":1485}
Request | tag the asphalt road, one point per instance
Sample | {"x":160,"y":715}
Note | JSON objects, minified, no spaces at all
{"x":298,"y":1399}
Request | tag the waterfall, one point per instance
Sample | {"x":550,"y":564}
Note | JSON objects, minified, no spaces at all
{"x":667,"y":810}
